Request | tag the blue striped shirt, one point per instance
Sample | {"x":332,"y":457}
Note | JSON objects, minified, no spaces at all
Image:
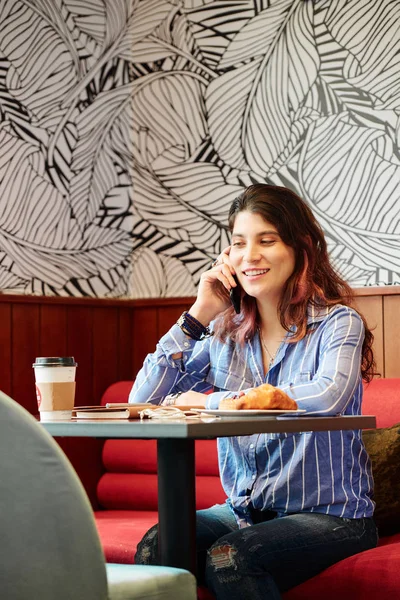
{"x":325,"y":472}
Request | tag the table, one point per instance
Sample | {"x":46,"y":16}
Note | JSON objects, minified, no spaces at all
{"x":176,"y":462}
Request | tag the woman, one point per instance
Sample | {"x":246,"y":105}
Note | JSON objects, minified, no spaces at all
{"x":297,"y":503}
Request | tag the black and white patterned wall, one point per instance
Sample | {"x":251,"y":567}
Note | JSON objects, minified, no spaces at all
{"x":127,"y":127}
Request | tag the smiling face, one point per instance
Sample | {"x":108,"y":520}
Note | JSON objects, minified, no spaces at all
{"x":262,"y":261}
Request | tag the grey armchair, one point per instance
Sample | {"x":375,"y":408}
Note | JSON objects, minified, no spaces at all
{"x":50,"y":549}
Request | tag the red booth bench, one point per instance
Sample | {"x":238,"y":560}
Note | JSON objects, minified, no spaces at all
{"x":126,"y":500}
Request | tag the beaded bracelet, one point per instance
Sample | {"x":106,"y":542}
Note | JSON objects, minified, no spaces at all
{"x":192,"y":327}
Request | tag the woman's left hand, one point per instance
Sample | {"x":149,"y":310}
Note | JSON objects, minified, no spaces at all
{"x":191,"y":398}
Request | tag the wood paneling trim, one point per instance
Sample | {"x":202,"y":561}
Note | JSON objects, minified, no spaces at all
{"x":391,"y":332}
{"x":386,"y":290}
{"x":371,"y":307}
{"x":118,"y":302}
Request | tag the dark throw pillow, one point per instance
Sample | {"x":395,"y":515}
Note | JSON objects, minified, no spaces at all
{"x":383,"y":446}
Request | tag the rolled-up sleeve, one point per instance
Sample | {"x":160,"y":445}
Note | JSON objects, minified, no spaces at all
{"x":161,"y":374}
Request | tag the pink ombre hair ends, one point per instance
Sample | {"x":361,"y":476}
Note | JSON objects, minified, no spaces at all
{"x":314,"y":280}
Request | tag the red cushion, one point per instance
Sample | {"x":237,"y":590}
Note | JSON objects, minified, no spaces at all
{"x":117,"y":392}
{"x":389,"y":539}
{"x":138,"y":491}
{"x":140,"y":456}
{"x":371,"y":574}
{"x":207,"y":458}
{"x":128,"y":491}
{"x":130,"y":482}
{"x":130,"y":456}
{"x":121,"y":531}
{"x":209,"y":491}
{"x":382,"y":398}
{"x":204,"y":593}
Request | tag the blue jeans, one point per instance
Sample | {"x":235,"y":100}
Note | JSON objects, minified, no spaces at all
{"x":272,"y":556}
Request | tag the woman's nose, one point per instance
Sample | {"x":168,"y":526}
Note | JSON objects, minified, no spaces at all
{"x":251,"y":253}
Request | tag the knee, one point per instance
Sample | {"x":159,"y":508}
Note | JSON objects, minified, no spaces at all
{"x":147,"y":550}
{"x":222,"y":563}
{"x":235,"y":554}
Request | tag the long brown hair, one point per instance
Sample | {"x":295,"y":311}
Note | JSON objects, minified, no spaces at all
{"x":314,"y":280}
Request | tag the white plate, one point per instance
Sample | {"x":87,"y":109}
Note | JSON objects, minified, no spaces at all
{"x":247,"y":413}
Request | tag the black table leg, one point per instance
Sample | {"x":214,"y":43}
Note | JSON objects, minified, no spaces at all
{"x":177,"y":503}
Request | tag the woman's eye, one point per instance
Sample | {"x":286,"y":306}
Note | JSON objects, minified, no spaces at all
{"x":268,"y":242}
{"x":237,"y":244}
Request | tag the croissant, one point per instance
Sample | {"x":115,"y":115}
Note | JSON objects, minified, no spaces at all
{"x":264,"y":397}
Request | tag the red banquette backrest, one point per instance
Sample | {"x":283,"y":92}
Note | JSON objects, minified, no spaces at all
{"x":130,"y":478}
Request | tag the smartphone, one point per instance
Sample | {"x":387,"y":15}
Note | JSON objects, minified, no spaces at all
{"x":235,"y":295}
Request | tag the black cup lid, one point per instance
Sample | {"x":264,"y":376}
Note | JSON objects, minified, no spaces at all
{"x":55,"y":361}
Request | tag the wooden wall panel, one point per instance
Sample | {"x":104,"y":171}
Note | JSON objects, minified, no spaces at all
{"x":150,"y":324}
{"x":105,"y":350}
{"x":145,"y":331}
{"x":125,"y":344}
{"x":392,"y":335}
{"x":372,"y":309}
{"x":167,"y":316}
{"x":80,"y":345}
{"x":5,"y":348}
{"x":111,"y":338}
{"x":53,"y":330}
{"x":25,"y":348}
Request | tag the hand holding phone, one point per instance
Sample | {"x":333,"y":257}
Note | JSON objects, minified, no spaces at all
{"x":236,"y":295}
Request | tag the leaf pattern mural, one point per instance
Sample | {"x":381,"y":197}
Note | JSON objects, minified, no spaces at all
{"x":127,"y":127}
{"x":370,"y":229}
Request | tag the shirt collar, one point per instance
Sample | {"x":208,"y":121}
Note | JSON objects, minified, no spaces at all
{"x":315,"y":314}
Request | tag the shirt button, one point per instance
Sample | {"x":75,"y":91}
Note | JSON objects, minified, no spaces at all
{"x":252,"y":446}
{"x":186,"y":344}
{"x":253,"y":476}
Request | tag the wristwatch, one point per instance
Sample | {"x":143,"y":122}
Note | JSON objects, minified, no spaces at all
{"x":192,"y":327}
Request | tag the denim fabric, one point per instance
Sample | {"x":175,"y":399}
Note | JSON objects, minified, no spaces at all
{"x":211,"y":524}
{"x":264,"y":560}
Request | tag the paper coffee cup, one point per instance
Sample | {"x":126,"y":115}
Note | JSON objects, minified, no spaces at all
{"x":55,"y":386}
